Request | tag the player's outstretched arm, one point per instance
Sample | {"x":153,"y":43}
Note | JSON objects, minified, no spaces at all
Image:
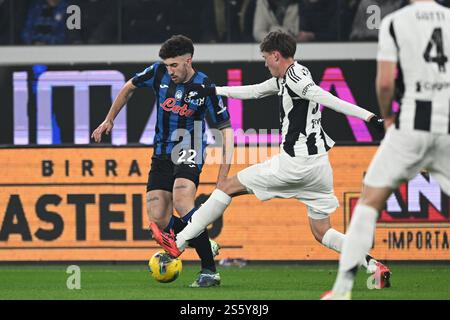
{"x":255,"y":91}
{"x":122,"y":98}
{"x":326,"y":99}
{"x":305,"y":88}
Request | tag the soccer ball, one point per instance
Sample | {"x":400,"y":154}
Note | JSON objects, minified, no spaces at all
{"x":164,"y":268}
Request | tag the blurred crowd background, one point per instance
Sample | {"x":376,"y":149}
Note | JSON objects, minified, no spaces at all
{"x":43,"y":22}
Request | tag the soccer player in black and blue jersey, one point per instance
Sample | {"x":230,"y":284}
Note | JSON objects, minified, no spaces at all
{"x":179,"y":143}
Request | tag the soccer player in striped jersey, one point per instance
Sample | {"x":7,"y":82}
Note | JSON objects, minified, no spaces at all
{"x":414,"y":40}
{"x":302,"y":169}
{"x":179,"y":143}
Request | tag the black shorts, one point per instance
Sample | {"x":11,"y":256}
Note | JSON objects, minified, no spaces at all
{"x":163,"y":173}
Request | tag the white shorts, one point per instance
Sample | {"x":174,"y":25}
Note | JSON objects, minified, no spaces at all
{"x":308,"y":179}
{"x":403,"y":154}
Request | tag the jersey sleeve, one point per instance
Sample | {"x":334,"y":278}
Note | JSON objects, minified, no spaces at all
{"x":387,"y":47}
{"x":146,"y":78}
{"x":304,"y":87}
{"x":255,"y":91}
{"x":298,"y":84}
{"x":218,"y":111}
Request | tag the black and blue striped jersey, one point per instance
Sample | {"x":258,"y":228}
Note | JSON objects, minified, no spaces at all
{"x":177,"y":114}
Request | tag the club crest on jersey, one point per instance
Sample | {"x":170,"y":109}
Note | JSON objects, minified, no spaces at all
{"x":179,"y":95}
{"x":170,"y":105}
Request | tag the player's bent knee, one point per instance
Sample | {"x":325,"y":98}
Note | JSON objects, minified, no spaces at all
{"x":183,"y":207}
{"x":224,"y":185}
{"x":231,"y":186}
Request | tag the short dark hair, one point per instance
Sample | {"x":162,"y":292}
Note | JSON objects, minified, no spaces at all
{"x":177,"y":45}
{"x":279,"y":41}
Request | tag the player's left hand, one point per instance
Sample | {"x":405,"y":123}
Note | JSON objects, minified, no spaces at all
{"x":197,"y":91}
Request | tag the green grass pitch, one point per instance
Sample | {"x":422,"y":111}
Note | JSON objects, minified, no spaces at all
{"x":254,"y":281}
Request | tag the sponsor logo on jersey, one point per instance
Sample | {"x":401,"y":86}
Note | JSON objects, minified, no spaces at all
{"x":306,"y":88}
{"x":432,"y":86}
{"x":170,"y":105}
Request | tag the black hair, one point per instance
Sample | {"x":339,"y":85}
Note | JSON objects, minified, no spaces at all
{"x":177,"y":45}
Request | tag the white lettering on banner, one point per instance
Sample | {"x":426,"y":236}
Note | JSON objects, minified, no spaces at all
{"x":81,"y":81}
{"x":20,"y":85}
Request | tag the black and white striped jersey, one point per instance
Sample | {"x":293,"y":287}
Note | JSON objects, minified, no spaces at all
{"x":417,"y":38}
{"x":300,"y":116}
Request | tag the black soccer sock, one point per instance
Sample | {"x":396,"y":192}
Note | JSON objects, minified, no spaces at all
{"x":201,"y":244}
{"x":204,"y":251}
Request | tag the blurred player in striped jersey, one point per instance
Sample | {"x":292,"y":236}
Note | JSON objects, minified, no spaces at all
{"x":302,"y":169}
{"x":416,"y":40}
{"x":179,"y":143}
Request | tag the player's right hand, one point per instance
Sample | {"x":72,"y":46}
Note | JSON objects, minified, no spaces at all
{"x":197,"y":91}
{"x":105,"y":127}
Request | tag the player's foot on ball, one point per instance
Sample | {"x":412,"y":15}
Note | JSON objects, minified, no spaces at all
{"x":215,"y":247}
{"x":166,"y":240}
{"x":329,"y":295}
{"x":206,"y":279}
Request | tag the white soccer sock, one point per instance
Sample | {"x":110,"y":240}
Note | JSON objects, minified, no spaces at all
{"x":334,"y":240}
{"x":212,"y":209}
{"x":357,"y":243}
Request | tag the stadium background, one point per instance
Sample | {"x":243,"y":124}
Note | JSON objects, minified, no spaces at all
{"x":63,"y":198}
